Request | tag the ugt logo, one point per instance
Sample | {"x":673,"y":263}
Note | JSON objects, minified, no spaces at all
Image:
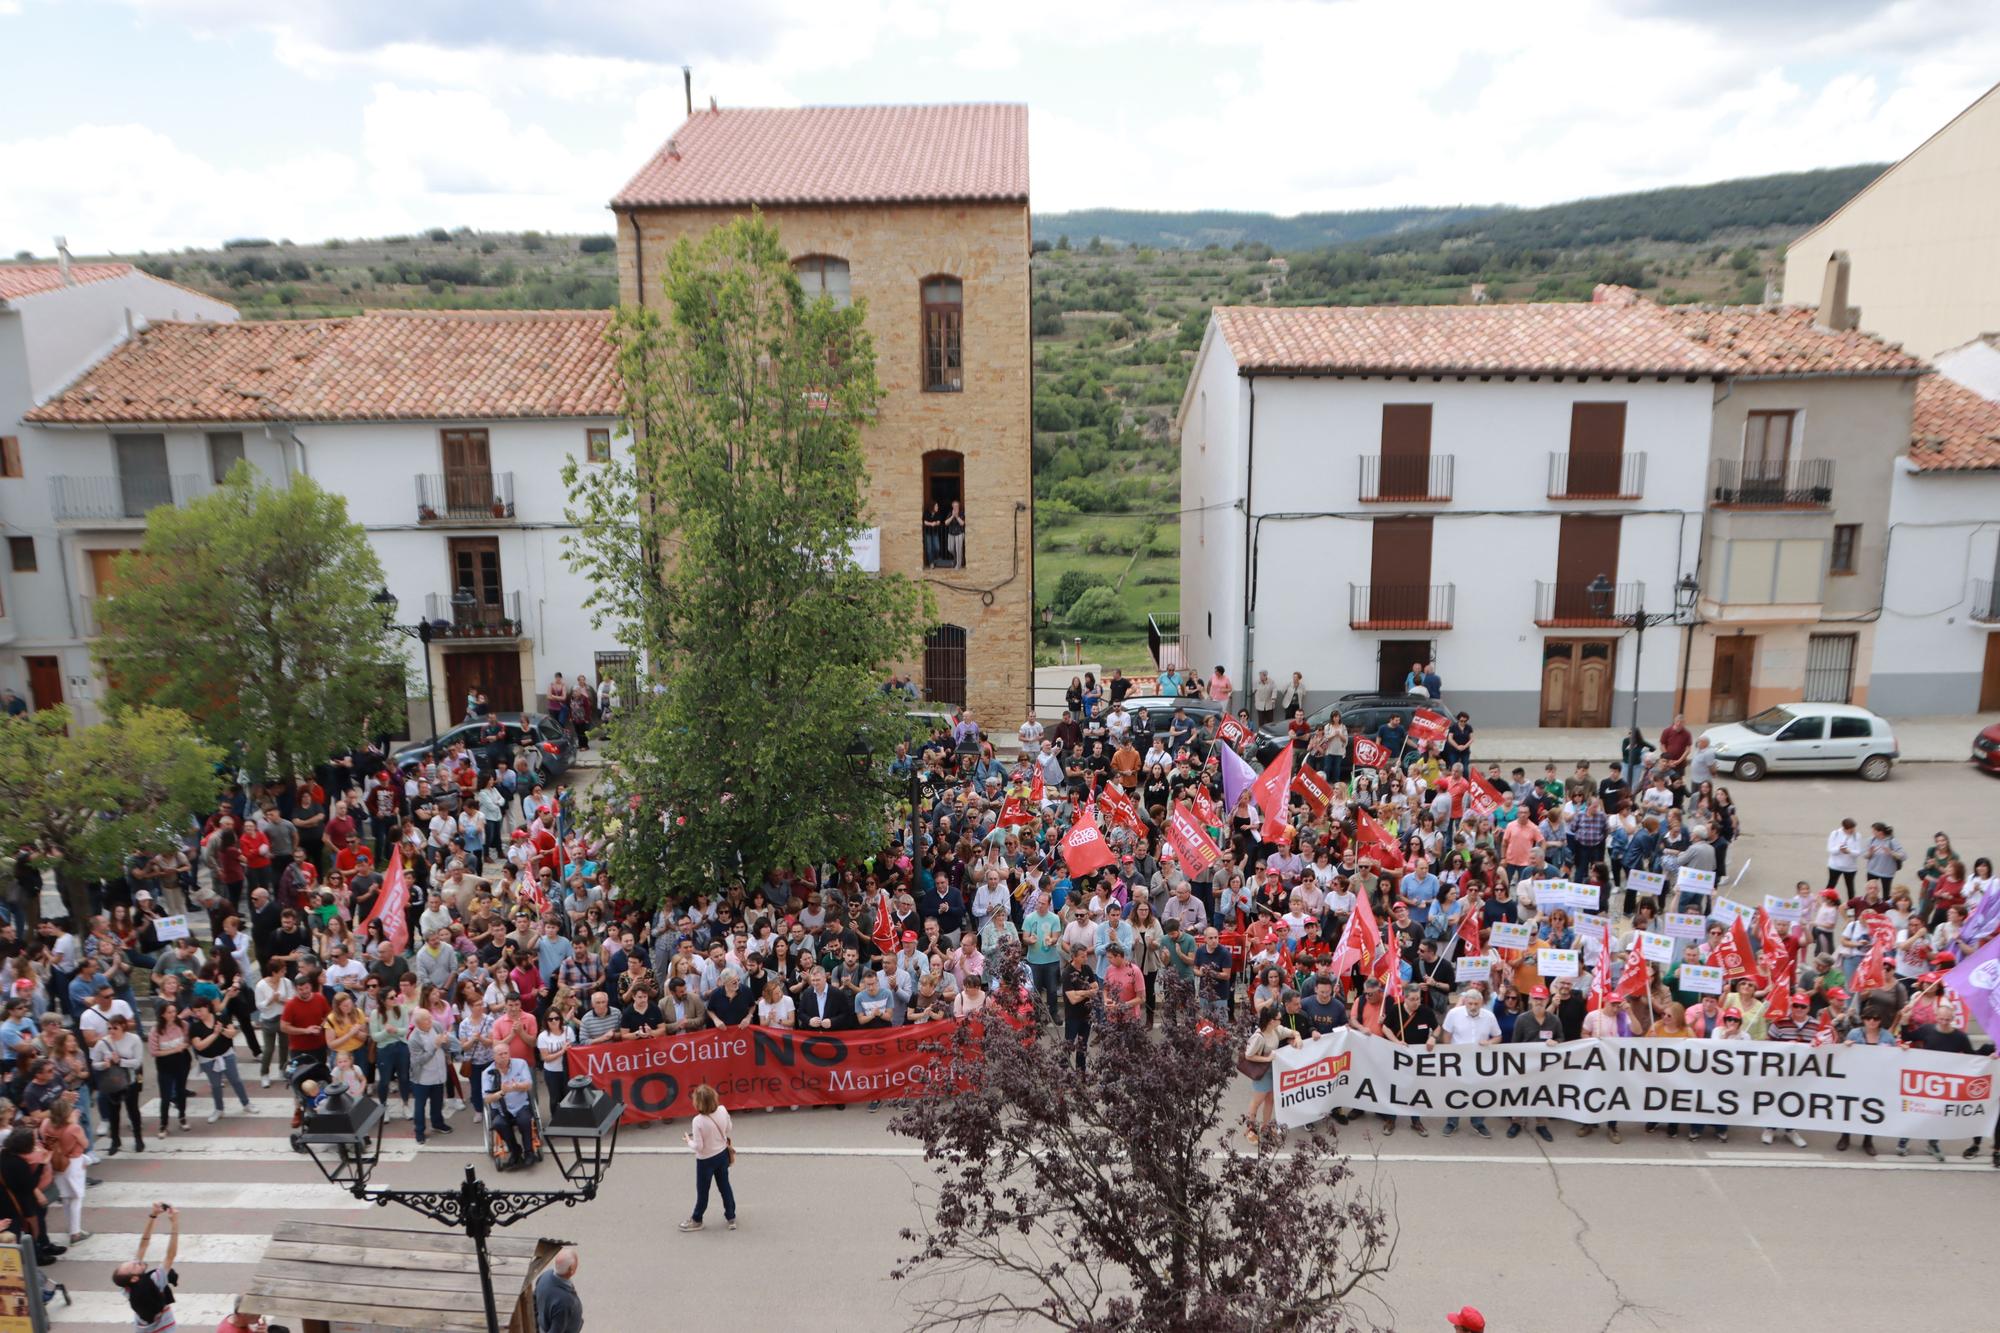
{"x":1946,"y":1087}
{"x":1323,"y":1070}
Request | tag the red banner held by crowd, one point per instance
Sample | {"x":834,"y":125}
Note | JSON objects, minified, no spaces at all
{"x":1427,"y":725}
{"x":392,"y":904}
{"x":1196,"y":850}
{"x":1205,"y":810}
{"x":1371,"y":753}
{"x":1014,"y":815}
{"x":1313,"y":787}
{"x":1232,"y":730}
{"x":753,"y":1067}
{"x":1084,"y":848}
{"x":1376,"y":844}
{"x":1482,"y":797}
{"x":1121,"y":807}
{"x":1734,"y":956}
{"x":1268,"y":791}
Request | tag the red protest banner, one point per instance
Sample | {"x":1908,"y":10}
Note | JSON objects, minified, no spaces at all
{"x":1313,"y":787}
{"x":1370,"y":753}
{"x":1233,"y":730}
{"x":1482,"y":797}
{"x":1376,"y":844}
{"x":392,"y":904}
{"x":1204,"y":808}
{"x":1734,"y":956}
{"x":1013,"y":815}
{"x":1197,"y":851}
{"x":1427,"y":725}
{"x":1084,"y":848}
{"x":1268,"y":791}
{"x":752,"y":1067}
{"x":1121,"y":807}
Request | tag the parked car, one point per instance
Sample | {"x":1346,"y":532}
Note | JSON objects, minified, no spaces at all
{"x":1805,"y":738}
{"x":1363,"y":712}
{"x":1986,"y":749}
{"x":494,"y":741}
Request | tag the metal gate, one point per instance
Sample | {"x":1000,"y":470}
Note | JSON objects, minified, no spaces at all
{"x":944,"y":665}
{"x":1830,"y":669}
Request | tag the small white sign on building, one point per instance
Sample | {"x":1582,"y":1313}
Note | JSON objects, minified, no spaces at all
{"x":867,"y":550}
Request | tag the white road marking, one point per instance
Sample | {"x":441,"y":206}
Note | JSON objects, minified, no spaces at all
{"x":192,"y":1309}
{"x":115,"y":1247}
{"x":198,"y":1108}
{"x":251,"y":1196}
{"x":255,"y":1149}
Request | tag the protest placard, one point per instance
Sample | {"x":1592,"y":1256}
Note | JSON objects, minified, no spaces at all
{"x":1479,"y":967}
{"x":1728,"y":911}
{"x":1784,"y":909}
{"x":171,"y":927}
{"x":1694,"y":881}
{"x":1509,"y":935}
{"x":1656,"y":948}
{"x":1645,"y":882}
{"x":1684,"y":925}
{"x":1558,"y":962}
{"x":1700,"y":980}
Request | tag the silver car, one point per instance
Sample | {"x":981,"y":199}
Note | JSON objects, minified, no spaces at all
{"x":1805,"y":738}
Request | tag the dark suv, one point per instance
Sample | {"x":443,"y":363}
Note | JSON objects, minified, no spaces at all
{"x":1363,"y":713}
{"x":493,"y":741}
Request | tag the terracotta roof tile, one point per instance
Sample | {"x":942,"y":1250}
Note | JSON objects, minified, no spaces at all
{"x":1953,"y":428}
{"x":1575,"y":338}
{"x":837,"y":155}
{"x":1784,"y":341}
{"x":382,"y":365}
{"x":17,"y":280}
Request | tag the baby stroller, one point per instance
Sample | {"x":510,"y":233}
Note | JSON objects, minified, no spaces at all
{"x":496,"y":1137}
{"x":299,"y":1071}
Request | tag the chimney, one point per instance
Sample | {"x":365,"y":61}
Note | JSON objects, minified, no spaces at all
{"x":62,"y":260}
{"x":1834,"y":313}
{"x":687,"y":86}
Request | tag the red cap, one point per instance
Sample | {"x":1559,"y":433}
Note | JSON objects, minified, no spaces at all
{"x":1836,"y":995}
{"x":1829,"y":893}
{"x":1539,"y":993}
{"x":909,"y":937}
{"x":520,"y":835}
{"x":1468,"y":1319}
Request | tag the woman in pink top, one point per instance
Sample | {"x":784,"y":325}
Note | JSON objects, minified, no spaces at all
{"x":1219,"y":686}
{"x":709,"y":1137}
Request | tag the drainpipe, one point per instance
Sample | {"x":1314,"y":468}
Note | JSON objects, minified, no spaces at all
{"x":1249,"y":534}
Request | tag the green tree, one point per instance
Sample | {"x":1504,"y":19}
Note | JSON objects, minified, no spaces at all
{"x":83,"y":799}
{"x":720,"y":546}
{"x":249,"y":610}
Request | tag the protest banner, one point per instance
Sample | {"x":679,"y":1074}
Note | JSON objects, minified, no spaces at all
{"x":1233,"y":731}
{"x":1881,"y":1090}
{"x":1197,"y":851}
{"x":1694,"y":881}
{"x":1699,"y":980}
{"x":1645,"y":882}
{"x":752,"y":1067}
{"x":171,"y":927}
{"x":1428,"y":725}
{"x":1084,"y":848}
{"x":1656,"y":948}
{"x":1785,"y":909}
{"x":392,"y":904}
{"x":1370,"y":753}
{"x":1684,"y":925}
{"x":1481,"y":796}
{"x":1510,"y":935}
{"x":1558,"y":962}
{"x":1588,"y":923}
{"x":1728,"y":911}
{"x":1479,"y":967}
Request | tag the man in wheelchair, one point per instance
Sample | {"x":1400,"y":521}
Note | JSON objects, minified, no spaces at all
{"x":510,"y":1108}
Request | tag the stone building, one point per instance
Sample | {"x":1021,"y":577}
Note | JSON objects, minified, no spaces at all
{"x":921,"y":212}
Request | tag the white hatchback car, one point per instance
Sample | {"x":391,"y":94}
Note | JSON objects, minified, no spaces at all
{"x":1805,"y":738}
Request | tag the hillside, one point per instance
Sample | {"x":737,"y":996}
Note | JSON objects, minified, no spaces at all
{"x":1193,"y":231}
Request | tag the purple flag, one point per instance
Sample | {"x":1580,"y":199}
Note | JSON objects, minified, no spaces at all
{"x":1985,"y":918}
{"x":1976,"y":982}
{"x":1236,"y":778}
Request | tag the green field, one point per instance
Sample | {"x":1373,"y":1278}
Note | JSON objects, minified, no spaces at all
{"x":1140,"y":582}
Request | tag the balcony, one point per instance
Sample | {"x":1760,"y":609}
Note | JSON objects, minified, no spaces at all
{"x":1985,"y":602}
{"x":1400,"y":606}
{"x":1798,"y":483}
{"x":460,"y":615}
{"x":121,"y":501}
{"x":465,"y":497}
{"x":1619,"y":476}
{"x":1567,"y":606}
{"x":1393,"y":479}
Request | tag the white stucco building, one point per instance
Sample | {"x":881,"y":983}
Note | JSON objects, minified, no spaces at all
{"x":56,"y":320}
{"x":445,"y":431}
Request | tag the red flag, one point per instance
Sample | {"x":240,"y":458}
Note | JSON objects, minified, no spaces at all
{"x":1880,"y":928}
{"x":1823,"y":1033}
{"x":1427,"y":725}
{"x":1233,"y":732}
{"x":1196,"y":850}
{"x":1014,"y":815}
{"x":531,"y":890}
{"x":1482,"y":798}
{"x":1637,"y":978}
{"x":1780,"y":1003}
{"x":1204,"y":809}
{"x":1468,"y":925}
{"x":1268,"y":791}
{"x":1600,"y":984}
{"x":1734,"y":954}
{"x":1360,"y":939}
{"x":885,"y":929}
{"x":1035,"y":789}
{"x":1084,"y":848}
{"x":392,"y":904}
{"x":1374,"y":838}
{"x":1313,"y":787}
{"x":1371,"y":753}
{"x":1873,"y":974}
{"x":1776,"y":953}
{"x":1121,"y":808}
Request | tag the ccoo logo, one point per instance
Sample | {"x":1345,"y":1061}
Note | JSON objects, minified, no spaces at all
{"x":1319,"y":1071}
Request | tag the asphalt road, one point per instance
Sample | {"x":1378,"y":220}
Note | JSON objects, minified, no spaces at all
{"x":1580,"y":1235}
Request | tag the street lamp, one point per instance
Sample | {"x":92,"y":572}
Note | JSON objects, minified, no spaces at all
{"x":1603,"y":599}
{"x":861,"y":762}
{"x":423,"y":631}
{"x":344,"y":1137}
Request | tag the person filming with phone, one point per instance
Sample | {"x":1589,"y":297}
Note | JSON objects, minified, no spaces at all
{"x":150,"y":1288}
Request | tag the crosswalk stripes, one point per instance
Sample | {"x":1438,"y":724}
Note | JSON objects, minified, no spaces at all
{"x":249,"y":1196}
{"x":192,"y":1309}
{"x":115,"y":1247}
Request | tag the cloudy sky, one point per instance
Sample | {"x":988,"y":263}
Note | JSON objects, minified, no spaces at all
{"x":137,"y":124}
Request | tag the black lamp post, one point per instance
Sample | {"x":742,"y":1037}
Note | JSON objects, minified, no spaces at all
{"x":422,"y":632}
{"x":861,"y":761}
{"x":1603,"y":595}
{"x":344,"y":1138}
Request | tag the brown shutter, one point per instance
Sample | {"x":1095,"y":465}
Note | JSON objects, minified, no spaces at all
{"x":1399,"y":574}
{"x":1596,"y":448}
{"x":1406,"y":451}
{"x":1587,"y":547}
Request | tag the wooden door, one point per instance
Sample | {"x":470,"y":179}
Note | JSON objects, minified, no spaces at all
{"x":1406,"y":451}
{"x":103,"y":571}
{"x":1729,"y":679}
{"x":1586,"y":547}
{"x":497,"y":672}
{"x":1399,"y":574}
{"x":1989,"y":677}
{"x":468,"y":473}
{"x":1558,"y":680}
{"x":45,"y":682}
{"x":475,"y":568}
{"x":1592,"y":684}
{"x":1596,"y":449}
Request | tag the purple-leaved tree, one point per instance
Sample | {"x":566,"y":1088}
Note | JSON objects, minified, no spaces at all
{"x":1125,"y":1199}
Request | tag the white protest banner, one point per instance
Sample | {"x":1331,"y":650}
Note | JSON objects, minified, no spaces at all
{"x":1728,"y":911}
{"x":1589,"y":923}
{"x":1684,"y":925}
{"x":1558,"y":962}
{"x":1699,"y":980}
{"x":1784,"y":909}
{"x":1694,"y":881}
{"x":1551,"y":893}
{"x":1837,"y":1089}
{"x":1646,"y":882}
{"x":1656,"y":948}
{"x":1479,"y":967}
{"x":1509,"y":935}
{"x":171,"y":927}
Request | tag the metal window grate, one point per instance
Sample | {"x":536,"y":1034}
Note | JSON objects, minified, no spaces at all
{"x":1830,"y":669}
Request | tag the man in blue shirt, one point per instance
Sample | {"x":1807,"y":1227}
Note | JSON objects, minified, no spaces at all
{"x":510,"y":1093}
{"x":1214,"y":965}
{"x":17,"y":1034}
{"x":1391,"y":734}
{"x":1420,"y":891}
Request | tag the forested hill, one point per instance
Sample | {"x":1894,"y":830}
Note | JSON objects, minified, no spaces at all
{"x":1689,"y":213}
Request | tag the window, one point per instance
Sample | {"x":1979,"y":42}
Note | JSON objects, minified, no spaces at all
{"x":616,"y":666}
{"x":144,"y":483}
{"x":1830,"y":672}
{"x":597,"y":444}
{"x":944,"y":326}
{"x":225,"y":451}
{"x":944,"y":665}
{"x":1804,"y":729}
{"x":1852,"y":729}
{"x":944,"y":510}
{"x":1767,"y":443}
{"x":823,"y":275}
{"x":1846,"y":537}
{"x":21,"y":551}
{"x":10,"y":456}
